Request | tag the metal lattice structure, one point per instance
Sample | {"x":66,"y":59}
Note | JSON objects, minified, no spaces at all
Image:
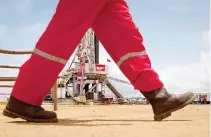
{"x":87,"y":54}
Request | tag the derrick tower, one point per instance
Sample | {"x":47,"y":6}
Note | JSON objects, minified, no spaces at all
{"x":85,"y":74}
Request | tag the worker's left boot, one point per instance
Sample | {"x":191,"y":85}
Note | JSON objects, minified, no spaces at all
{"x":18,"y":109}
{"x":163,"y":103}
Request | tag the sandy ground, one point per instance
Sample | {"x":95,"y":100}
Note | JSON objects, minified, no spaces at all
{"x":113,"y":121}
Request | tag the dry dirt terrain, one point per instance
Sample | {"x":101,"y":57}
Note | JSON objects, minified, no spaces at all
{"x":113,"y":121}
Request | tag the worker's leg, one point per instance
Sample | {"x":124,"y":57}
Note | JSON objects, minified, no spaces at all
{"x":64,"y":32}
{"x":123,"y":41}
{"x":121,"y":38}
{"x":39,"y":73}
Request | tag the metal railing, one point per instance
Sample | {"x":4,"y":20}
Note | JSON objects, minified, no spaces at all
{"x":6,"y":79}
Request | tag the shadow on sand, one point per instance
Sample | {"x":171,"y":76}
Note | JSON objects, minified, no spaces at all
{"x":88,"y":123}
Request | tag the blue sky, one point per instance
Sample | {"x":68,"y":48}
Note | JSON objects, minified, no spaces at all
{"x":176,"y":34}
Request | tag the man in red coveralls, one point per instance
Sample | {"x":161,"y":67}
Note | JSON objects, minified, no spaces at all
{"x":113,"y":25}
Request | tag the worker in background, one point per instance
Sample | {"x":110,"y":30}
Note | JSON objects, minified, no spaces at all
{"x":114,"y":27}
{"x":204,"y":99}
{"x":67,"y":94}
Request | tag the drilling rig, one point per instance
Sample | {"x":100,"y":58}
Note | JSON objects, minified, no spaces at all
{"x":87,"y":77}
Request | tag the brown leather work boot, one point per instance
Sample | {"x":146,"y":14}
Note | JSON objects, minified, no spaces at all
{"x":30,"y":113}
{"x":164,"y":103}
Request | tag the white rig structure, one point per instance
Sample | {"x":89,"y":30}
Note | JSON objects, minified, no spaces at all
{"x":86,"y":78}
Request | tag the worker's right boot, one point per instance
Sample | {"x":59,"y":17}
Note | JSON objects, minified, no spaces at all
{"x":18,"y":109}
{"x":163,"y":103}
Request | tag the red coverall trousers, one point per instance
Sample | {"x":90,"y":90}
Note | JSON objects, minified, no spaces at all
{"x":113,"y":25}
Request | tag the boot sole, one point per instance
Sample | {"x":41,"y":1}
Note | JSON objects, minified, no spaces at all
{"x":13,"y":115}
{"x":168,"y":113}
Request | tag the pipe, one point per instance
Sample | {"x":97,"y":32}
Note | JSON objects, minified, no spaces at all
{"x":14,"y":52}
{"x":8,"y":66}
{"x":96,"y":49}
{"x":7,"y":78}
{"x":6,"y":86}
{"x":55,"y":99}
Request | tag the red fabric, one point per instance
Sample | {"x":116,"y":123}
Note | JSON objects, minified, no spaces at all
{"x":119,"y":35}
{"x":64,"y":32}
{"x":114,"y":27}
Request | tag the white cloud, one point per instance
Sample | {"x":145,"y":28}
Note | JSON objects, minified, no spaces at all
{"x":194,"y":76}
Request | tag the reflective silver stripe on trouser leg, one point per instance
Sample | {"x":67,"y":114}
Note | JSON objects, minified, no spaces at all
{"x":130,"y":55}
{"x":50,"y":57}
